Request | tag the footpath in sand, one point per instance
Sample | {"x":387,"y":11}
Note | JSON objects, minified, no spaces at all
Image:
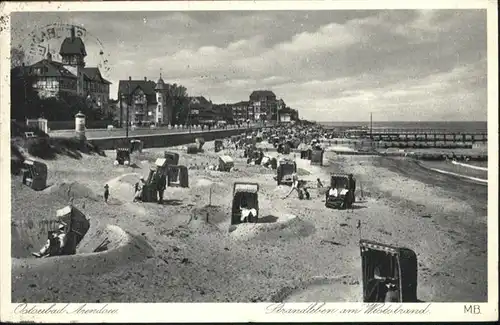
{"x":300,"y":251}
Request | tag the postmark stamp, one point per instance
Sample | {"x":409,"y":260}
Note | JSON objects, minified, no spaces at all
{"x":48,"y":38}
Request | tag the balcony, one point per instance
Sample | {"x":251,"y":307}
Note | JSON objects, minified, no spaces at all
{"x":139,"y":101}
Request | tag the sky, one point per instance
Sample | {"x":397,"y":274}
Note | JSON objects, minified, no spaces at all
{"x":342,"y":65}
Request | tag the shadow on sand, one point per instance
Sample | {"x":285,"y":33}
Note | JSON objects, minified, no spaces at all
{"x":357,"y":207}
{"x":267,"y":219}
{"x":172,"y":202}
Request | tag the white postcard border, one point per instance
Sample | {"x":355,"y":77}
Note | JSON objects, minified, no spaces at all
{"x":229,"y":312}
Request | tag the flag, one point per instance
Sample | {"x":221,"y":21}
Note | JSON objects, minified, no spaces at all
{"x":358,"y":224}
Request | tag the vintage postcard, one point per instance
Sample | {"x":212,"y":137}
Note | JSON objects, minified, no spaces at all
{"x":249,"y":161}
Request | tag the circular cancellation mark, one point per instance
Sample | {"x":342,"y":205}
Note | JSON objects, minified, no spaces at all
{"x":49,"y":38}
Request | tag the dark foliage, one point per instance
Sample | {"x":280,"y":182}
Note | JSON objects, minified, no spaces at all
{"x":18,"y":129}
{"x":40,"y":147}
{"x":49,"y":148}
{"x":16,"y":160}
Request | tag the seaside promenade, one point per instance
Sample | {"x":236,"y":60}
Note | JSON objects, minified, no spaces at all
{"x":92,"y":134}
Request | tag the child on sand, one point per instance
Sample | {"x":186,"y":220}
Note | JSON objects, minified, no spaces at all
{"x":295,"y":186}
{"x":306,"y":194}
{"x":106,"y":193}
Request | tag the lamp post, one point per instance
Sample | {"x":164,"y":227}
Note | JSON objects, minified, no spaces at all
{"x":129,"y":102}
{"x":189,"y":116}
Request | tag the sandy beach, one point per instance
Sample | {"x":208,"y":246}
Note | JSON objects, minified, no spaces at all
{"x":184,"y":251}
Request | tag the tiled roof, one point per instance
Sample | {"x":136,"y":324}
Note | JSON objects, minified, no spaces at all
{"x":51,"y":69}
{"x":147,"y":86}
{"x":160,"y":84}
{"x":261,"y":93}
{"x":95,"y":75}
{"x":199,"y":101}
{"x":72,"y":46}
{"x":242,"y":103}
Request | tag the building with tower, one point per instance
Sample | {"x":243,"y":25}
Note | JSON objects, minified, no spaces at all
{"x":263,"y":105}
{"x":163,"y":113}
{"x":145,"y":102}
{"x":52,"y":79}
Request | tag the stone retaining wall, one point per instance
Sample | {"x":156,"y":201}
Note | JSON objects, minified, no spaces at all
{"x":165,"y":140}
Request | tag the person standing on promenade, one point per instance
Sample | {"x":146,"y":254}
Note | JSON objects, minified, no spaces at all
{"x":106,"y":193}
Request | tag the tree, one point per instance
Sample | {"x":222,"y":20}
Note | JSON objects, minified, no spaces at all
{"x":24,"y":100}
{"x":294,"y":114}
{"x":17,"y":57}
{"x":177,"y":99}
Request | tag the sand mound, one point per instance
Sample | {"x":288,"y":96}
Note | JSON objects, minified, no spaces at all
{"x":216,"y":214}
{"x":122,"y":187}
{"x":129,"y":178}
{"x":204,"y":182}
{"x":198,"y":221}
{"x":29,"y":235}
{"x":273,"y":228}
{"x":123,"y":248}
{"x":303,"y":172}
{"x":73,"y":190}
{"x":324,"y":290}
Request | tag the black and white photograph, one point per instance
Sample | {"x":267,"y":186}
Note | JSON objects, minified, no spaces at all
{"x":288,"y":158}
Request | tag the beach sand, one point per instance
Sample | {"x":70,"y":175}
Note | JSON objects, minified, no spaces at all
{"x":301,"y":251}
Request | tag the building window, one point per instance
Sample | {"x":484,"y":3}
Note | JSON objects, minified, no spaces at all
{"x":42,"y":83}
{"x":51,"y":83}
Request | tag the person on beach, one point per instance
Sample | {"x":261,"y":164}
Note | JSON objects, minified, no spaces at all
{"x":306,"y":193}
{"x":352,"y":183}
{"x":55,"y":244}
{"x":247,"y":213}
{"x":378,"y":287}
{"x":333,"y":192}
{"x":319,"y":184}
{"x":344,"y":191}
{"x":106,"y":193}
{"x":138,"y":189}
{"x":160,"y":186}
{"x":295,"y":186}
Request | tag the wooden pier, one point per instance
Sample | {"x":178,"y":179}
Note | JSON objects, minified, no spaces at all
{"x":426,"y":135}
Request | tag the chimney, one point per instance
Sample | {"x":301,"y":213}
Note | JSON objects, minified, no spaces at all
{"x":145,"y":79}
{"x":72,"y":32}
{"x":49,"y":55}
